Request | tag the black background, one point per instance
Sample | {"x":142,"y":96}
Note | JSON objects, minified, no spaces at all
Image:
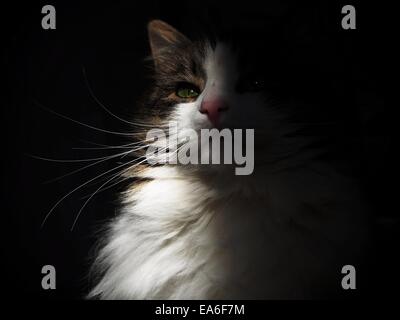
{"x":109,"y":42}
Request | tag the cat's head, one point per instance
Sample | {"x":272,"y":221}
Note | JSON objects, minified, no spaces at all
{"x":205,"y":83}
{"x":208,"y":83}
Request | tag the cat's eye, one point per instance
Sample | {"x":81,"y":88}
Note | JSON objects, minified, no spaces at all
{"x":187,"y":91}
{"x":251,"y":84}
{"x":257,"y":84}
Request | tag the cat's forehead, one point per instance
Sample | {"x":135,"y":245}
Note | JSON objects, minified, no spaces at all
{"x":220,"y":57}
{"x":225,"y":57}
{"x":220,"y":64}
{"x":211,"y":60}
{"x":207,"y":52}
{"x":199,"y":62}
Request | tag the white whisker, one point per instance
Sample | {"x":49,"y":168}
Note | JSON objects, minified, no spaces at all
{"x":106,"y":109}
{"x":81,"y":186}
{"x":123,"y":146}
{"x":104,"y":184}
{"x":90,"y":165}
{"x":83,"y":124}
{"x":126,"y":178}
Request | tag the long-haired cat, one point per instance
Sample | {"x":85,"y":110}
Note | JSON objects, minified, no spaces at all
{"x":202,"y":232}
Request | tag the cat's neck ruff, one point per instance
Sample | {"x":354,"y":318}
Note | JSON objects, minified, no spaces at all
{"x":181,"y":236}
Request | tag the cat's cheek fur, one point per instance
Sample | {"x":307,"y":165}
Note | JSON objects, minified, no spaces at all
{"x":187,"y":116}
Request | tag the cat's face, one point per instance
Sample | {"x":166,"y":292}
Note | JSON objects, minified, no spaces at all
{"x":211,"y":84}
{"x":203,"y":84}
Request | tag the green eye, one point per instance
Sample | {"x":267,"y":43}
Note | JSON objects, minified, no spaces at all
{"x":187,"y":92}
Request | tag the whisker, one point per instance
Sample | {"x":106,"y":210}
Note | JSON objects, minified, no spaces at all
{"x":104,"y":184}
{"x":123,"y":146}
{"x":81,"y":186}
{"x":78,"y":160}
{"x":127,"y":178}
{"x":94,"y":143}
{"x":106,"y":109}
{"x":110,"y":186}
{"x":88,"y":166}
{"x":81,"y":123}
{"x":87,"y":201}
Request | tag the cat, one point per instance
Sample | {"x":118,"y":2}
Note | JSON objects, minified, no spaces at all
{"x":202,"y":232}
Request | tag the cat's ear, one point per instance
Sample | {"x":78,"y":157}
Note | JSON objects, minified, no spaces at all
{"x":162,"y":36}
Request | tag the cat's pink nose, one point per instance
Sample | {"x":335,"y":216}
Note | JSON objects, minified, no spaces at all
{"x":213,"y":109}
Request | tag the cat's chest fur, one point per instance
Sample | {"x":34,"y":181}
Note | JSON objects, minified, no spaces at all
{"x":186,"y":238}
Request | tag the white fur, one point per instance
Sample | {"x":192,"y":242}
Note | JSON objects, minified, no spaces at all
{"x":192,"y":234}
{"x":183,"y":237}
